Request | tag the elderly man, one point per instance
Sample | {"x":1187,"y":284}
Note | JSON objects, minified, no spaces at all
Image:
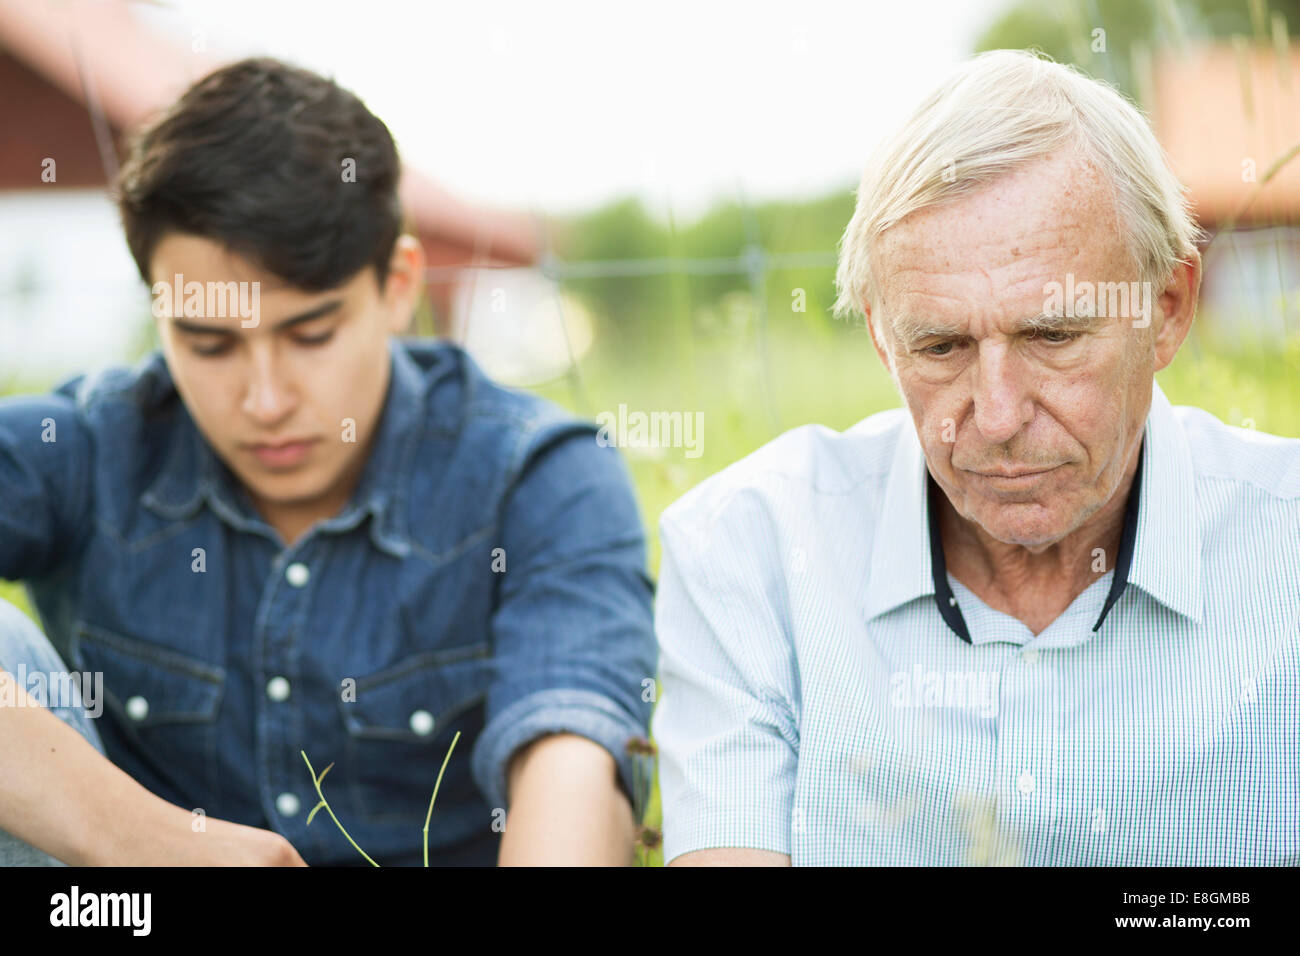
{"x":1039,"y":616}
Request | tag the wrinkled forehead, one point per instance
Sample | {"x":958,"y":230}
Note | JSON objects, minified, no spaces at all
{"x":1001,"y":245}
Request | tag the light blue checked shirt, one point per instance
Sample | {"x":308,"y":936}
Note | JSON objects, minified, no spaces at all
{"x":817,"y":703}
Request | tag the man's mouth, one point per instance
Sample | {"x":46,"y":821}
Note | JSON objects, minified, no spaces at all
{"x":1013,"y":477}
{"x":1014,"y":473}
{"x":281,"y":455}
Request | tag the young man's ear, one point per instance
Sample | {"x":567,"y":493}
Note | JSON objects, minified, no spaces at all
{"x":405,"y":283}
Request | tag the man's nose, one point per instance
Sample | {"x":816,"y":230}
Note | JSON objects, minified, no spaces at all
{"x":268,"y":396}
{"x":1003,"y":404}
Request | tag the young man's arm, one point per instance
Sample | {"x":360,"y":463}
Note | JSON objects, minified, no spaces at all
{"x":45,"y":492}
{"x":573,"y":639}
{"x":65,"y":798}
{"x":566,"y":806}
{"x":731,"y":857}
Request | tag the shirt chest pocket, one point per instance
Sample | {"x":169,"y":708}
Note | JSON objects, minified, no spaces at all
{"x":163,"y":706}
{"x":399,"y":725}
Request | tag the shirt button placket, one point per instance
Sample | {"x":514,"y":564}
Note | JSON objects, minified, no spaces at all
{"x":287,"y":805}
{"x":297,"y":574}
{"x":277,"y":651}
{"x":277,"y":689}
{"x":1015,"y":813}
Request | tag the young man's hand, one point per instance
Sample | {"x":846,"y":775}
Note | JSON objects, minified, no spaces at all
{"x":165,"y":836}
{"x":63,"y":797}
{"x":233,"y":844}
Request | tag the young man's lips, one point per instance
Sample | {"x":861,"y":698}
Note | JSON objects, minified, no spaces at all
{"x":282,"y":454}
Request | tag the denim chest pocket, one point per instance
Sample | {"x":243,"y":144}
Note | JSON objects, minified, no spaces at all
{"x":165,"y":703}
{"x":400,"y":725}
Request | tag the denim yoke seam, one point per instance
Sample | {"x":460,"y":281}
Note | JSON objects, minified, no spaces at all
{"x":461,"y":547}
{"x":174,"y":527}
{"x":164,"y":657}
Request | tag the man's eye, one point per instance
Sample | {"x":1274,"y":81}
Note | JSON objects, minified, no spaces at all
{"x":938,"y":350}
{"x":314,"y":339}
{"x":219,"y":348}
{"x":1056,"y":337}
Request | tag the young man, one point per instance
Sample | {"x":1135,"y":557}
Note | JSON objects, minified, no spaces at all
{"x":288,"y":532}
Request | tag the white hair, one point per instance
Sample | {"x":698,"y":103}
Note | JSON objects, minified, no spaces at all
{"x":998,"y":112}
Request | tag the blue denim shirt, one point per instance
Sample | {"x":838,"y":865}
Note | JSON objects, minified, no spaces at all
{"x":370,"y":641}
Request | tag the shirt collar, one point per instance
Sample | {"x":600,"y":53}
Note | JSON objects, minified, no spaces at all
{"x":192,"y":473}
{"x":1159,"y":543}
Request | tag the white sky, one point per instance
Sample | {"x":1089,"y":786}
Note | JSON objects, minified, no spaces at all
{"x":560,"y":105}
{"x":553,"y":105}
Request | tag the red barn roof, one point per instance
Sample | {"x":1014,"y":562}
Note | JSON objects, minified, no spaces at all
{"x":54,"y":57}
{"x":1217,"y":113}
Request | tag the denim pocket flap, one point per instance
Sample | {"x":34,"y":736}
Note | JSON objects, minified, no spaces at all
{"x":418,"y":697}
{"x":148,"y":683}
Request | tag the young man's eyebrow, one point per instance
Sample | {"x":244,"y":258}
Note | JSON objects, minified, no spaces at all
{"x":197,"y":328}
{"x":325,"y":308}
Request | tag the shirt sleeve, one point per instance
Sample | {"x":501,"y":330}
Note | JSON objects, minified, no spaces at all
{"x":45,"y":467}
{"x":727,"y":723}
{"x":573,"y":632}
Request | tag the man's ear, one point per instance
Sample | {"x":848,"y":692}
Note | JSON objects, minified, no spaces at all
{"x":1177,"y":303}
{"x":876,"y":339}
{"x":404,"y":285}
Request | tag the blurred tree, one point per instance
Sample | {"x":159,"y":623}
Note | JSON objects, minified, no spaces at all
{"x":1108,"y":38}
{"x":637,"y":309}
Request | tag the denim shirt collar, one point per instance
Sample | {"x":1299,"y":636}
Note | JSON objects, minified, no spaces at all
{"x":192,"y":473}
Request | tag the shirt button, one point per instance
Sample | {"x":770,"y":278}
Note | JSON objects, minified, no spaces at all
{"x":422,"y":722}
{"x":137,"y":708}
{"x":277,"y":688}
{"x":1031,"y":656}
{"x":286,"y":804}
{"x":297,"y":574}
{"x":1026,"y":783}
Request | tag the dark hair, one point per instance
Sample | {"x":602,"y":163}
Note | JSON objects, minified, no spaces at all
{"x":253,"y":156}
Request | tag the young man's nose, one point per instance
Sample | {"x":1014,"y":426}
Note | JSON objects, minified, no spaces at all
{"x":268,"y":396}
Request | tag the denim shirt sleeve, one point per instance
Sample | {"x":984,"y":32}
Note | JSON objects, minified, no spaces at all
{"x":45,"y":464}
{"x":572,"y":628}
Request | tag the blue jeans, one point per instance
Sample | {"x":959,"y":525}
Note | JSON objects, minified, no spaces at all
{"x":24,"y":649}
